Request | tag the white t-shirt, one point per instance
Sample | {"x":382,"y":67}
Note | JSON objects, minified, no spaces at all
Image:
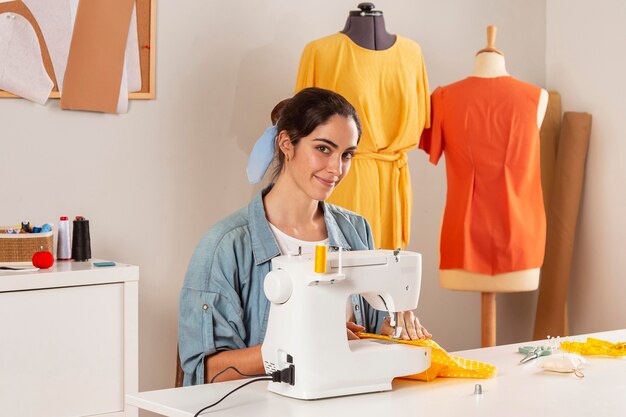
{"x":288,"y":244}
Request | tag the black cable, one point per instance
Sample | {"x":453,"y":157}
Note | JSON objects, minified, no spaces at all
{"x":238,"y":388}
{"x":236,"y":370}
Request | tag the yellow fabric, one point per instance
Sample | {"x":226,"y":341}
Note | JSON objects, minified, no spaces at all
{"x":595,"y":347}
{"x":442,"y":363}
{"x":389,"y":90}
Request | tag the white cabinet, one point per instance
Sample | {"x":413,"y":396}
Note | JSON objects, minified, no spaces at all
{"x":68,"y":341}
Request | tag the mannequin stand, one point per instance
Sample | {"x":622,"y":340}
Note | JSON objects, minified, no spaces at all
{"x":488,"y":319}
{"x":489,"y":286}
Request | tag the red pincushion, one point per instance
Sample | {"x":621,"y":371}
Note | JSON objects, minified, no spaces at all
{"x":43,"y":259}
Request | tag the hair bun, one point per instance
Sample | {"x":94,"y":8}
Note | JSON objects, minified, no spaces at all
{"x":277,"y":112}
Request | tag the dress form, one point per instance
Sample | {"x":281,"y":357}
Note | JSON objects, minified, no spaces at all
{"x":366,"y":28}
{"x":490,"y":63}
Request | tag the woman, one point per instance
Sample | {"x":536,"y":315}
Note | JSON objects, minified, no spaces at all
{"x":223,"y":309}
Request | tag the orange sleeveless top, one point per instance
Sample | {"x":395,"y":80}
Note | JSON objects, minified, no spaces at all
{"x":494,"y":221}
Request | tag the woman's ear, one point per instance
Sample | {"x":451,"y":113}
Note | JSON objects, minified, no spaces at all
{"x":285,"y":145}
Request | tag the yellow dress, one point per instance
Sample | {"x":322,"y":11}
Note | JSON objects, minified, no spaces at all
{"x":389,"y":90}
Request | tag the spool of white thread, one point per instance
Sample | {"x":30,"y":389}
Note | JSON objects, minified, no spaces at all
{"x":64,"y":250}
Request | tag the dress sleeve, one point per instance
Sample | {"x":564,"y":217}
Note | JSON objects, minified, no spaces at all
{"x":432,"y":141}
{"x":306,"y":70}
{"x":210,"y":311}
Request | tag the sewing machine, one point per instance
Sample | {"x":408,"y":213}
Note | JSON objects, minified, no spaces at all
{"x":306,"y":331}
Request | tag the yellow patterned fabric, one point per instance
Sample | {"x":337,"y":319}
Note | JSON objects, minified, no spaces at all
{"x":595,"y":347}
{"x":442,"y":363}
{"x":389,"y":90}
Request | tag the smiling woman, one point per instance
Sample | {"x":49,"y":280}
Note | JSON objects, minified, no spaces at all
{"x":223,"y":309}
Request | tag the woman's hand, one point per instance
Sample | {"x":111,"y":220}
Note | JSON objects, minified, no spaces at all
{"x":352,"y":329}
{"x":410,"y":324}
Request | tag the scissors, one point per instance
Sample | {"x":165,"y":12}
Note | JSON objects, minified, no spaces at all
{"x":533,"y":352}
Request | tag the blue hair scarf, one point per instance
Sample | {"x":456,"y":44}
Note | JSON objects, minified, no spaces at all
{"x":262,"y":155}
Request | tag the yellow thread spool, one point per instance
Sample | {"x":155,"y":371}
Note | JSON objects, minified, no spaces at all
{"x":320,"y":259}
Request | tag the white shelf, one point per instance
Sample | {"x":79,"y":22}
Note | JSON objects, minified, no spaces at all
{"x":69,"y":344}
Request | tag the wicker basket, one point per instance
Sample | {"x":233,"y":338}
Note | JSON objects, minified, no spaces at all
{"x":22,"y":247}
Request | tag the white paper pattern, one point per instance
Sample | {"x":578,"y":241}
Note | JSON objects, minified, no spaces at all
{"x":21,"y":67}
{"x":53,"y":18}
{"x":132,"y":65}
{"x":122,"y":100}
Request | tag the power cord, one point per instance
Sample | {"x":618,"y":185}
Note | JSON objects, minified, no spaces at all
{"x":286,"y":375}
{"x":238,"y":388}
{"x":236,"y":370}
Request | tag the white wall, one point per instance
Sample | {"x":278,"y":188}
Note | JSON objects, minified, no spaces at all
{"x":586,"y":64}
{"x":153,"y":180}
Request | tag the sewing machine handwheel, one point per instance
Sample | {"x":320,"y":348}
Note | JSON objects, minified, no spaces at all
{"x":278,"y":286}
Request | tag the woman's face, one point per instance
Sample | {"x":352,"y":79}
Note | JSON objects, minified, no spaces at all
{"x":320,"y":160}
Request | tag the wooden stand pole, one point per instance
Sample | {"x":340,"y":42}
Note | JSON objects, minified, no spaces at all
{"x":488,"y":319}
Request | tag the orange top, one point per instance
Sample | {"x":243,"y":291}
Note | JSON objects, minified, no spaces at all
{"x":494,"y":221}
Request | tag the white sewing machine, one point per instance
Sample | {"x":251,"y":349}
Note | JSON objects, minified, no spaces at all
{"x":306,"y":331}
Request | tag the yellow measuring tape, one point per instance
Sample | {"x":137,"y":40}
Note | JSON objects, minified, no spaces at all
{"x":595,"y":347}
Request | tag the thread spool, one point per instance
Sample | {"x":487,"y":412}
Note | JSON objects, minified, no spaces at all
{"x":64,"y":247}
{"x":320,"y":259}
{"x":81,"y":242}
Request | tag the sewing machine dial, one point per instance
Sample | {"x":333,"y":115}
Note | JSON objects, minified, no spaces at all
{"x":278,"y":286}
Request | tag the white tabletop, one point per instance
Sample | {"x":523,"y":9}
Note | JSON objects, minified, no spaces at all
{"x":518,"y":390}
{"x":65,"y":274}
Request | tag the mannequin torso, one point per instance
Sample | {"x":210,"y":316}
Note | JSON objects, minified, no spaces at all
{"x":366,"y":28}
{"x":490,"y":65}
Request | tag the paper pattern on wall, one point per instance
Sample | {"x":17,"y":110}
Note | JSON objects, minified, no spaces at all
{"x":131,"y":75}
{"x":125,"y":87}
{"x":53,"y":17}
{"x":93,"y":76}
{"x":132,"y":64}
{"x":21,"y":67}
{"x":53,"y":22}
{"x":73,"y":9}
{"x":122,"y":100}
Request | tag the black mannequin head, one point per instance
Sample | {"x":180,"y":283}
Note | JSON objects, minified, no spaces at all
{"x":366,"y":28}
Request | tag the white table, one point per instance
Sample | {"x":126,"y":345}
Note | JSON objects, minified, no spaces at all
{"x":518,"y":390}
{"x":68,"y":340}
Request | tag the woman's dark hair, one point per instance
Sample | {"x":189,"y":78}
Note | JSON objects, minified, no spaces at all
{"x":304,"y":112}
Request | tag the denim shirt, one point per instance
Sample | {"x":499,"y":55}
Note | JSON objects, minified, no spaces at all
{"x":222,"y":302}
